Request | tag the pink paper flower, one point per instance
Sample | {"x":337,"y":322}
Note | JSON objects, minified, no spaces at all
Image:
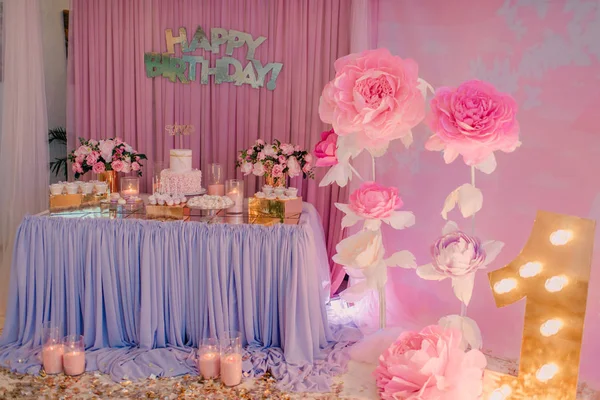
{"x":473,"y":120}
{"x":326,"y":149}
{"x":287,"y":149}
{"x":375,"y":95}
{"x":117,"y":165}
{"x":430,"y":364}
{"x":135,"y":166}
{"x":277,"y":171}
{"x":372,"y":200}
{"x":98,"y":168}
{"x":294,"y":168}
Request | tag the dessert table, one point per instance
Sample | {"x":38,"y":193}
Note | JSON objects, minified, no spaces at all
{"x":145,"y":292}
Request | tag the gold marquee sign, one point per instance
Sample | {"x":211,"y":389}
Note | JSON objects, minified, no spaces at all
{"x":553,"y":273}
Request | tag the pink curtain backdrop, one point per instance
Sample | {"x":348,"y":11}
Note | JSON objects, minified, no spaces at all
{"x":110,"y":94}
{"x":547,"y":55}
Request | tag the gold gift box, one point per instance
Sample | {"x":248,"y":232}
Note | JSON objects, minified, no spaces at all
{"x":264,"y":211}
{"x":167,"y":212}
{"x":67,"y":201}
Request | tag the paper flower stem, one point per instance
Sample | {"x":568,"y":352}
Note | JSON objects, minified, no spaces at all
{"x":463,"y":307}
{"x":382,"y":321}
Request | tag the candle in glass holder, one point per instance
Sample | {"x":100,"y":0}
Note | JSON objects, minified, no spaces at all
{"x":74,"y":355}
{"x":235,"y":190}
{"x":130,"y":186}
{"x":215,"y":180}
{"x":209,"y":358}
{"x":52,"y":349}
{"x":231,"y":358}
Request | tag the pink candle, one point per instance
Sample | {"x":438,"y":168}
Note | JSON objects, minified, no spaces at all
{"x":52,"y":358}
{"x":208,"y":365}
{"x":231,"y":369}
{"x":216,"y":190}
{"x":74,"y":362}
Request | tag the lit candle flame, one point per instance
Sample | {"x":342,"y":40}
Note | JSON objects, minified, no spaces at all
{"x":501,"y":393}
{"x":546,"y":372}
{"x":556,"y":283}
{"x":505,"y":285}
{"x":561,"y":237}
{"x":551,"y":327}
{"x":530,"y":269}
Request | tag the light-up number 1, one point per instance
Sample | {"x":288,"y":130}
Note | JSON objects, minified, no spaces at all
{"x":553,"y":272}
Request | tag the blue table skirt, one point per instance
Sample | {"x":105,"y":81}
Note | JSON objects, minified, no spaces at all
{"x":144,"y":293}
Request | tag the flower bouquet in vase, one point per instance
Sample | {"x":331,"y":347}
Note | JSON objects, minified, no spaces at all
{"x":106,"y":158}
{"x":275,"y":161}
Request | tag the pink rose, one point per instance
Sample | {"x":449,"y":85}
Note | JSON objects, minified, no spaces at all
{"x":98,"y":168}
{"x":287,"y":149}
{"x":269,"y":151}
{"x":473,"y":120}
{"x":117,"y":165}
{"x":79,"y":159}
{"x":430,"y":365}
{"x":118,"y":141}
{"x":308,"y":158}
{"x":307,"y":168}
{"x":294,"y":168}
{"x":374,"y":201}
{"x":277,"y":171}
{"x":260,"y":142}
{"x":250,"y":152}
{"x":282,"y":159}
{"x":326,"y":149}
{"x":135,"y":166}
{"x":106,"y":149}
{"x":375,"y":95}
{"x":92,"y":158}
{"x":246,"y":168}
{"x":261,"y":156}
{"x":297,"y":147}
{"x":126,"y":167}
{"x":77,"y":168}
{"x":258,"y":169}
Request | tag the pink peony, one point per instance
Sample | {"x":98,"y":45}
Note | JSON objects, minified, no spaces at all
{"x":326,"y":149}
{"x":430,"y":365}
{"x":106,"y":149}
{"x":374,"y":94}
{"x":277,"y":171}
{"x":473,"y":120}
{"x":374,"y":201}
{"x":135,"y":166}
{"x":261,"y":156}
{"x":287,"y":149}
{"x":258,"y":169}
{"x":246,"y":168}
{"x":98,"y":168}
{"x":77,"y":168}
{"x":294,"y":168}
{"x":117,"y":165}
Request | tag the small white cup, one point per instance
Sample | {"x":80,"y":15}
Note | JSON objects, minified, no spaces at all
{"x":101,"y":188}
{"x":291,"y":192}
{"x":279,"y":191}
{"x":87,"y":188}
{"x":259,"y":195}
{"x":268,"y":190}
{"x":56,"y":188}
{"x":72,"y":188}
{"x":282,"y":197}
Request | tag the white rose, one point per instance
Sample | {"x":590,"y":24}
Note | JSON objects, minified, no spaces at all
{"x":259,"y":169}
{"x":106,"y":149}
{"x":246,"y":168}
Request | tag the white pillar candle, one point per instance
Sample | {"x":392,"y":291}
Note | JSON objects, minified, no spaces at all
{"x":231,"y":369}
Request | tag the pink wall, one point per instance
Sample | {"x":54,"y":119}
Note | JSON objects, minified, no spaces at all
{"x":547,"y":55}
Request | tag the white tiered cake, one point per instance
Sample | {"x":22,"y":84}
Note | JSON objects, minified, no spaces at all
{"x":180,"y":178}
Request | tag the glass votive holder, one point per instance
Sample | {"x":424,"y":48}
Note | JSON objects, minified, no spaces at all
{"x":234,"y":188}
{"x":159,"y":166}
{"x":52,"y":349}
{"x":231,"y":358}
{"x":215,"y":180}
{"x":209,"y":358}
{"x":74,"y":355}
{"x":130,"y":186}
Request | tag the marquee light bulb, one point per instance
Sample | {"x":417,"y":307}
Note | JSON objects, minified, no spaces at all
{"x":505,"y":285}
{"x":546,"y":372}
{"x":556,"y":283}
{"x":551,"y":327}
{"x":530,"y":269}
{"x":561,"y":237}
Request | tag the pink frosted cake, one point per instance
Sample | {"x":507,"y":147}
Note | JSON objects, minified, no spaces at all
{"x":180,"y":178}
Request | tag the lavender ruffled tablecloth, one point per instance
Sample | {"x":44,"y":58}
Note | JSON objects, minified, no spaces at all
{"x":144,"y":293}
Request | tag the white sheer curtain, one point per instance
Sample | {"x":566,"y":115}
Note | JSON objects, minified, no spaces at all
{"x":23,"y":138}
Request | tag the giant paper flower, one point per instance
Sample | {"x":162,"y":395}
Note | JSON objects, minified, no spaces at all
{"x":430,"y":364}
{"x":376,"y":97}
{"x":473,"y":120}
{"x":375,"y":203}
{"x":458,"y":256}
{"x":362,"y":255}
